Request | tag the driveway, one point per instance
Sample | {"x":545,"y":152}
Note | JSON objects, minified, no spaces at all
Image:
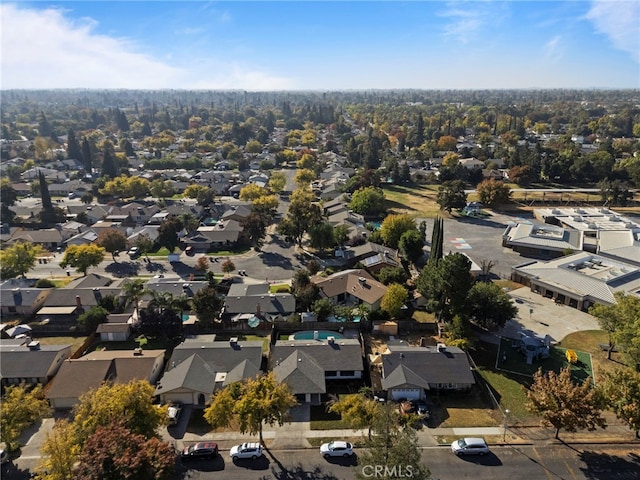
{"x":540,"y":315}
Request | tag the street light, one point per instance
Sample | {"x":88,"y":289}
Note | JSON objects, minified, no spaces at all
{"x":504,"y":435}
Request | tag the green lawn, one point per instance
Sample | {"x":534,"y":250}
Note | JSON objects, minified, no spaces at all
{"x":424,"y":317}
{"x":75,"y":342}
{"x":279,"y":288}
{"x":516,"y":362}
{"x":323,"y":420}
{"x":152,"y":344}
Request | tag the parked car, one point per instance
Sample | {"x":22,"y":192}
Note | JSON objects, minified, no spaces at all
{"x":336,"y":449}
{"x":134,"y":252}
{"x":173,"y":412}
{"x":423,"y":409}
{"x":470,"y":446}
{"x":200,"y":450}
{"x":250,"y":450}
{"x":189,"y":250}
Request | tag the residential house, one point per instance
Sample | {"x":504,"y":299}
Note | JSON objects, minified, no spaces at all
{"x":94,"y":213}
{"x":308,"y":366}
{"x":63,"y":305}
{"x":27,"y":361}
{"x":77,"y":377}
{"x":351,"y":287}
{"x":83,"y":238}
{"x":225,"y":233}
{"x":471,"y":163}
{"x":198,"y":368}
{"x":18,"y":300}
{"x":410,"y":371}
{"x":47,"y":238}
{"x":245,"y":301}
{"x":237,"y":212}
{"x":373,"y":256}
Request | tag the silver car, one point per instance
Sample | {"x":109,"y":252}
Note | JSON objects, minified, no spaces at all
{"x":470,"y":446}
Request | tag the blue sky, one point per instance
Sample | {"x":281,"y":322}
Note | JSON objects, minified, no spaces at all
{"x":327,"y":45}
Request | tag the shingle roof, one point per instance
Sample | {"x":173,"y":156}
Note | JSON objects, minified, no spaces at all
{"x":192,"y":374}
{"x":221,"y":357}
{"x":273,"y":303}
{"x":21,"y":362}
{"x":429,"y":364}
{"x":343,"y":354}
{"x":301,"y":372}
{"x":348,"y":281}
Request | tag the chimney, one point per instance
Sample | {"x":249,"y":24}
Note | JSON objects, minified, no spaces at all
{"x":258,"y":310}
{"x":78,"y":302}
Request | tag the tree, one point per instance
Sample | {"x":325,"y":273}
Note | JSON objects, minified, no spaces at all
{"x":145,"y":244}
{"x":204,"y":195}
{"x":368,"y":201}
{"x":393,"y":448}
{"x":522,"y":175}
{"x":615,"y":192}
{"x":622,"y":321}
{"x":133,"y":290}
{"x":492,"y":192}
{"x":123,"y":186}
{"x":304,"y":177}
{"x":394,"y":299}
{"x":93,"y":317}
{"x":161,"y":188}
{"x":202,"y":264}
{"x":304,"y":290}
{"x":8,"y":197}
{"x":17,"y":259}
{"x":621,"y":390}
{"x":207,"y":305}
{"x":445,"y":285}
{"x":60,"y":452}
{"x":86,"y":198}
{"x":303,"y":213}
{"x":323,"y":309}
{"x":87,"y":156}
{"x":389,"y":275}
{"x":168,"y":233}
{"x":109,"y":168}
{"x":410,"y":245}
{"x":81,"y":257}
{"x":113,"y":241}
{"x":357,"y":410}
{"x":393,"y":226}
{"x":255,"y":226}
{"x":114,"y":452}
{"x":341,"y":234}
{"x":251,"y":192}
{"x":321,"y":236}
{"x":451,"y":195}
{"x":277,"y":182}
{"x":131,"y":403}
{"x":437,"y":241}
{"x":228,"y":266}
{"x":489,"y":305}
{"x":563,"y":404}
{"x":47,"y":206}
{"x":257,"y":401}
{"x":21,"y":407}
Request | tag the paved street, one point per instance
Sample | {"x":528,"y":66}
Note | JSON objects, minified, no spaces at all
{"x":535,"y":462}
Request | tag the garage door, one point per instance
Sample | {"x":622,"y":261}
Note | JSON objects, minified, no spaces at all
{"x":408,"y":393}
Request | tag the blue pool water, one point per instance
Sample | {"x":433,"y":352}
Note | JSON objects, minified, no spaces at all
{"x":308,"y":335}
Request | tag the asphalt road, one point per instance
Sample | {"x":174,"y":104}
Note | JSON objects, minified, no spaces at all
{"x":552,"y":462}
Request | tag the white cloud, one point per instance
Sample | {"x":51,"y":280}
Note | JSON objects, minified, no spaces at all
{"x":620,"y":21}
{"x":468,"y":19}
{"x":554,"y":49}
{"x":44,"y":48}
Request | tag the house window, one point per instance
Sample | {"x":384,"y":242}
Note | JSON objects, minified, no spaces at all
{"x":12,"y":310}
{"x":347,"y":373}
{"x":330,"y":373}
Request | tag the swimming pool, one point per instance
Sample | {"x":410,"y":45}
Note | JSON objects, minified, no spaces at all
{"x":308,"y":335}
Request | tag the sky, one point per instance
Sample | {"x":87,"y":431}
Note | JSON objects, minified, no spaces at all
{"x":320,"y":45}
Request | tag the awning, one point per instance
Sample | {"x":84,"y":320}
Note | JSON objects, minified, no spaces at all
{"x":57,"y":310}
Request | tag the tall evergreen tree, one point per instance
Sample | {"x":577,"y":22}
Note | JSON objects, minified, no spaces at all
{"x":420,"y":131}
{"x":47,"y":206}
{"x":44,"y":127}
{"x":73,"y":146}
{"x":437,"y":239}
{"x":87,"y":156}
{"x":109,"y":168}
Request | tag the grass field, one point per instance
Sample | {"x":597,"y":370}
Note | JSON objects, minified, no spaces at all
{"x":75,"y":342}
{"x":511,"y":360}
{"x":417,"y":201}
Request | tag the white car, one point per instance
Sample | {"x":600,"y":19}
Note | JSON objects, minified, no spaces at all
{"x":470,"y":446}
{"x":251,"y":450}
{"x":336,"y":449}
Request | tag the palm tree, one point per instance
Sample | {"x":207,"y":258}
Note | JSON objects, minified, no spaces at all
{"x":132,"y":291}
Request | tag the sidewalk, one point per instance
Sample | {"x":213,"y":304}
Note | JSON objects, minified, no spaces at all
{"x":297,"y":435}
